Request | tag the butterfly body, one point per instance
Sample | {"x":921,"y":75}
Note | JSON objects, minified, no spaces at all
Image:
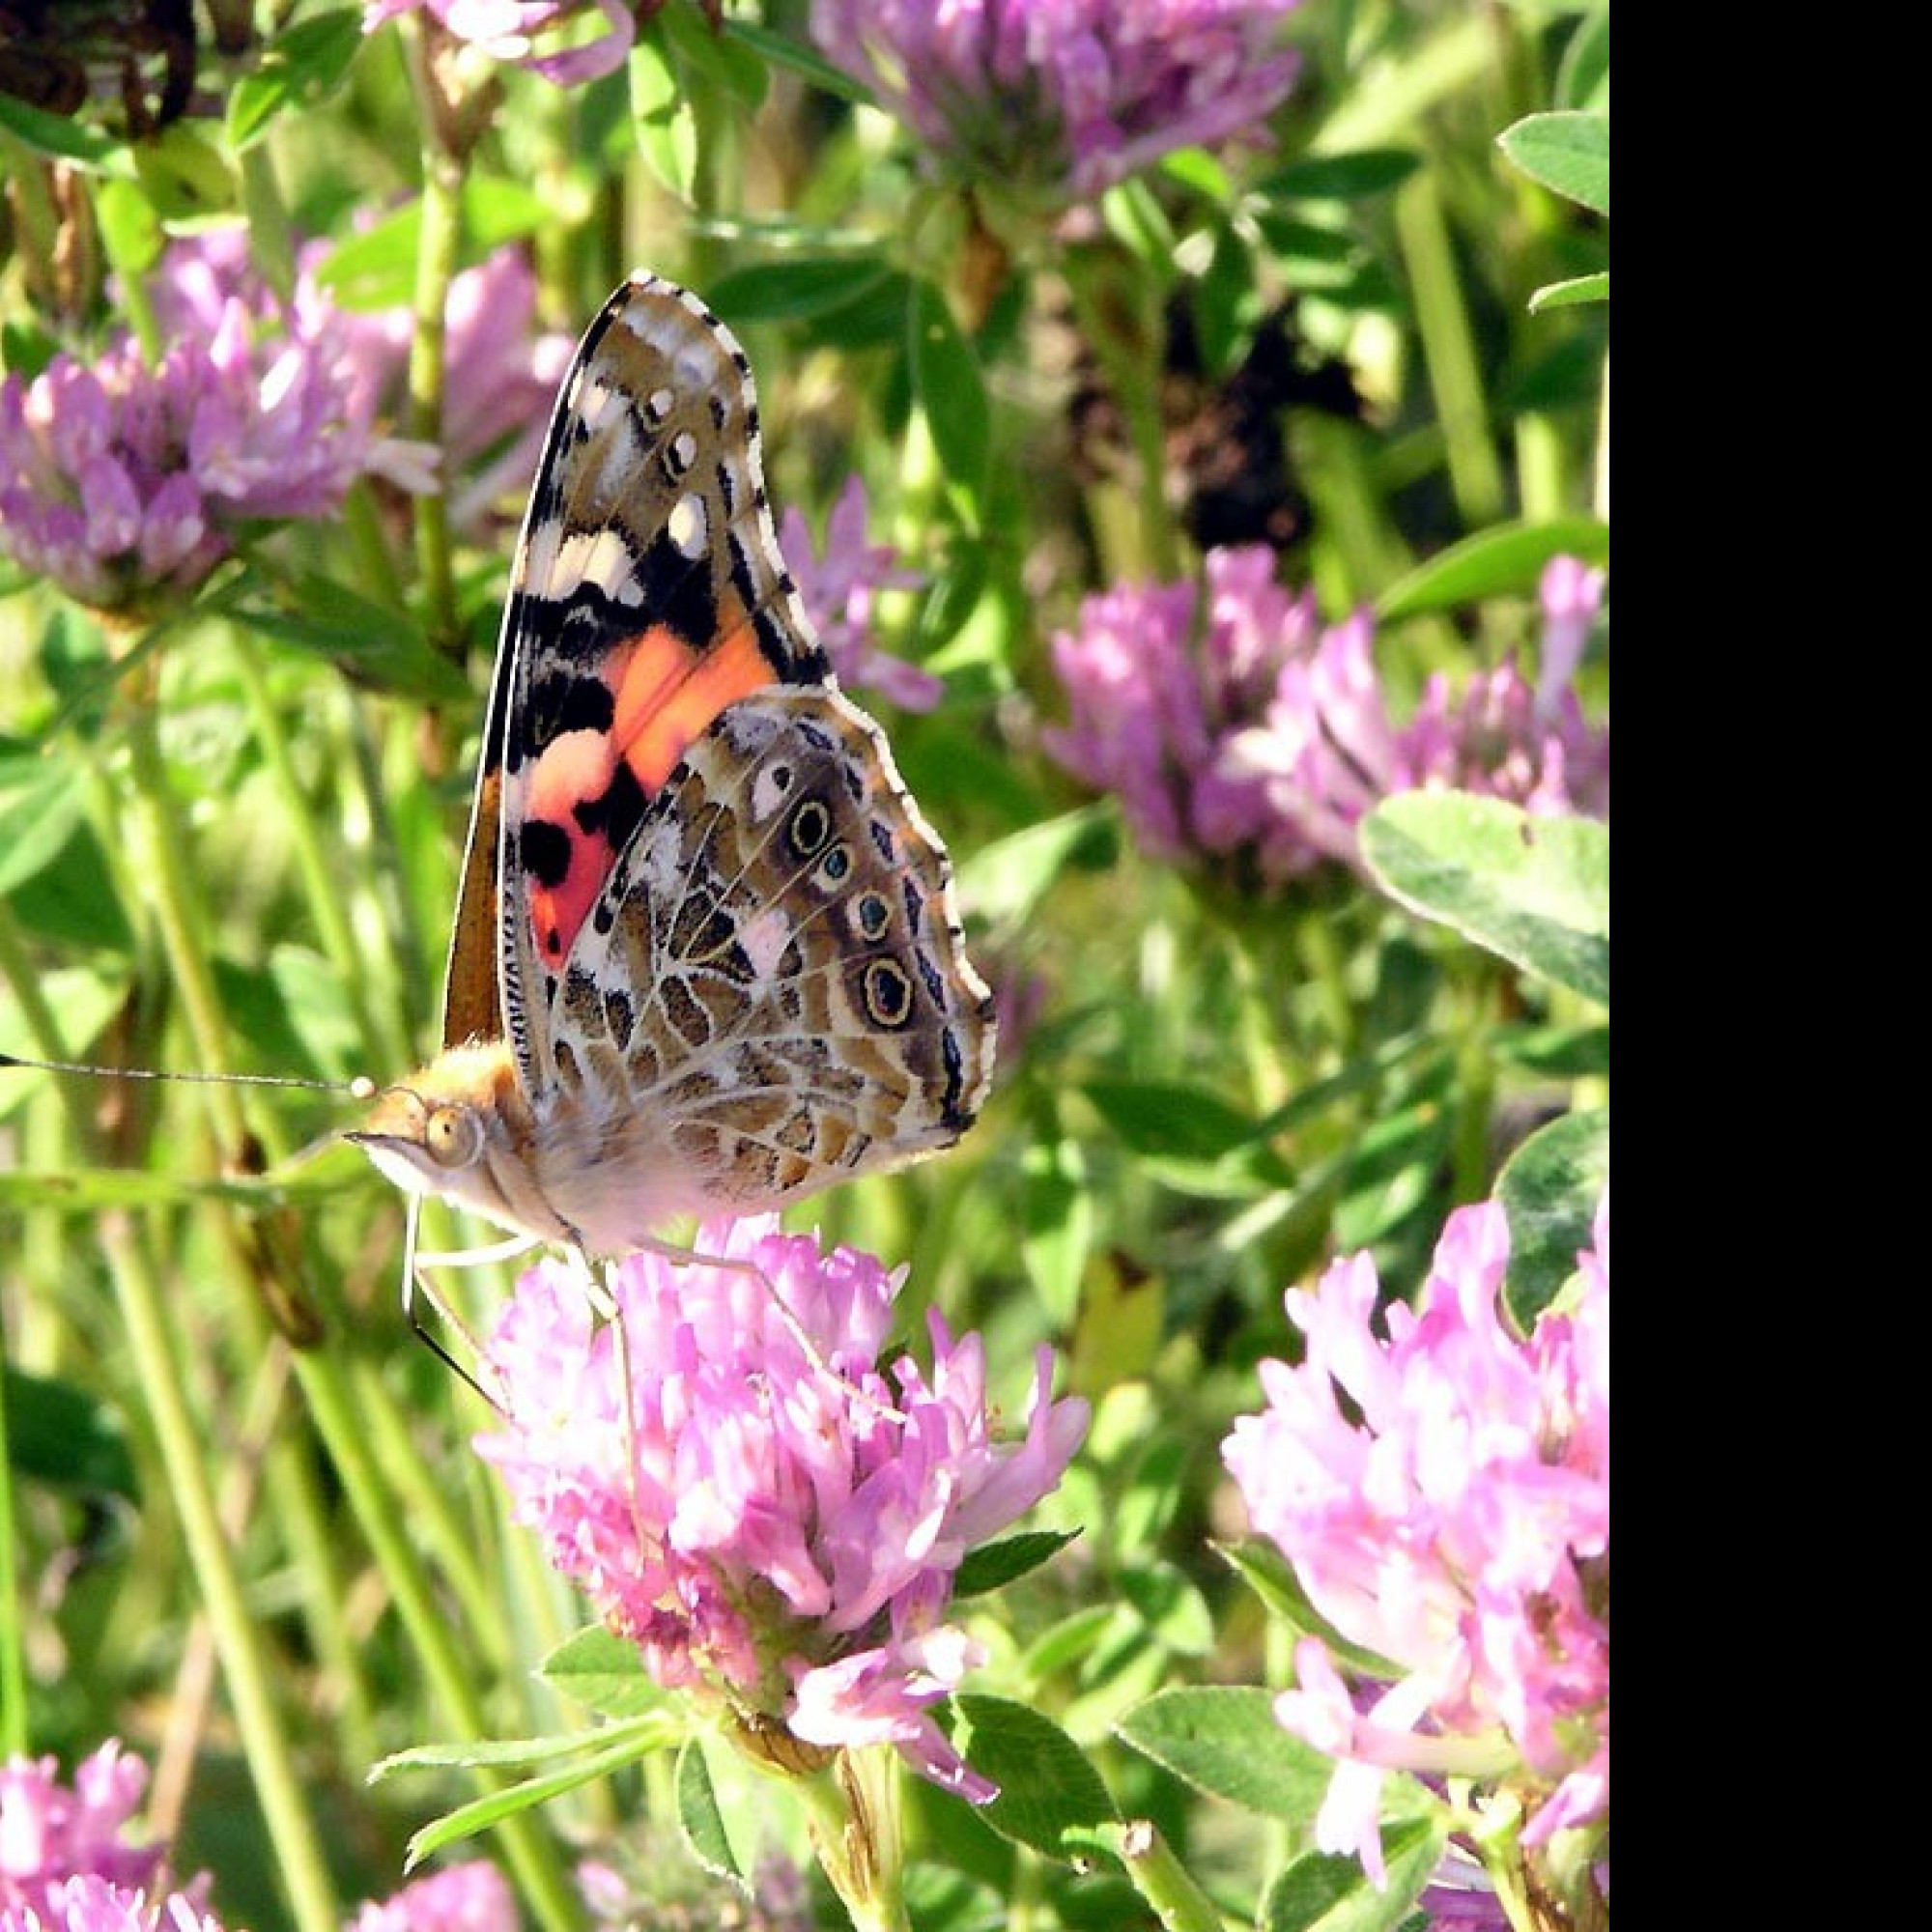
{"x":706,"y":958}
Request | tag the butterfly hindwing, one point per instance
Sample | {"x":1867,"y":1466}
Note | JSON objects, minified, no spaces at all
{"x":774,"y":968}
{"x":647,"y":595}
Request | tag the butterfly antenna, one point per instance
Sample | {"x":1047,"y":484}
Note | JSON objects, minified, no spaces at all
{"x":360,"y":1087}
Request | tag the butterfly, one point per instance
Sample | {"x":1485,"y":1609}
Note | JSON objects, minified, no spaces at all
{"x":705,"y":957}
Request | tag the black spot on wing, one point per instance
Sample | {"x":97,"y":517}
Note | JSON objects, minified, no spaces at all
{"x":676,"y":594}
{"x":562,"y":702}
{"x":935,"y":981}
{"x":616,"y":811}
{"x":955,"y":1117}
{"x":544,"y":851}
{"x":619,"y":1017}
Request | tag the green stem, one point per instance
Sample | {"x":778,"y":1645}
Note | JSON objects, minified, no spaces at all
{"x":1469,"y":1156}
{"x":31,"y":205}
{"x":342,"y":1423}
{"x":1383,"y":104}
{"x":1449,"y":348}
{"x":381,"y":871}
{"x":339,"y":1408}
{"x":853,"y":1815}
{"x":162,"y":864}
{"x":439,"y":215}
{"x":1600,"y":494}
{"x":244,"y":1667}
{"x":375,"y":566}
{"x":1327,"y":966}
{"x":418,"y":1497}
{"x":22,"y":981}
{"x":315,"y":1556}
{"x":135,"y":307}
{"x":1121,"y":321}
{"x":1542,"y":467}
{"x":384,"y":1046}
{"x":1162,"y":1880}
{"x":1356,"y":549}
{"x":162,"y":857}
{"x":20,"y":978}
{"x":13,"y":1734}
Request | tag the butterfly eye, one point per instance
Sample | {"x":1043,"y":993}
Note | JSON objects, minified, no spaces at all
{"x":453,"y":1136}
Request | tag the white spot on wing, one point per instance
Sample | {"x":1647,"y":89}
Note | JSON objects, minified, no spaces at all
{"x":539,"y":572}
{"x":767,"y":795}
{"x":619,"y":454}
{"x":601,"y":557}
{"x":764,"y":938}
{"x":689,"y":525}
{"x":595,"y":401}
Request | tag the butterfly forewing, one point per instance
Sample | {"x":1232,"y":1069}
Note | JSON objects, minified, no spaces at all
{"x":648,"y":594}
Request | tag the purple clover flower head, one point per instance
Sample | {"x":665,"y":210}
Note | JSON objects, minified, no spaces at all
{"x":508,"y":30}
{"x":1240,"y":732}
{"x":125,"y":483}
{"x":1250,"y":733}
{"x":1068,"y":97}
{"x":1454,"y":1518}
{"x":90,"y":1903}
{"x":469,"y":1897}
{"x":1139,"y":726}
{"x":1494,"y":739}
{"x":1572,"y":594}
{"x":838,"y":591}
{"x":64,"y":1859}
{"x":757,"y":1524}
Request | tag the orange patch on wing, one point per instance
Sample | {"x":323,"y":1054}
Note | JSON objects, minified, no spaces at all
{"x":671,"y":689}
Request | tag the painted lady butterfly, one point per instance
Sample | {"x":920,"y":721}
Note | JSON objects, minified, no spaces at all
{"x":705,"y":956}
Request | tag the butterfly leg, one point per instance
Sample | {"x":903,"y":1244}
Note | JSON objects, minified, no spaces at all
{"x":417,"y":1280}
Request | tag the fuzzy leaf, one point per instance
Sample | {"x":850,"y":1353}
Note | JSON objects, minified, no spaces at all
{"x":1566,"y":152}
{"x":1317,"y":1893}
{"x":1549,"y":1190}
{"x":298,"y":67}
{"x":1500,"y":561}
{"x":1573,"y":294}
{"x":1051,"y":1798}
{"x":1534,"y":891}
{"x":995,"y":1565}
{"x":1223,"y":1740}
{"x":603,"y":1673}
{"x":701,"y":1820}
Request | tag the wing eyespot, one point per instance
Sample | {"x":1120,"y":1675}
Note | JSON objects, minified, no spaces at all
{"x":809,"y":828}
{"x":888,"y":993}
